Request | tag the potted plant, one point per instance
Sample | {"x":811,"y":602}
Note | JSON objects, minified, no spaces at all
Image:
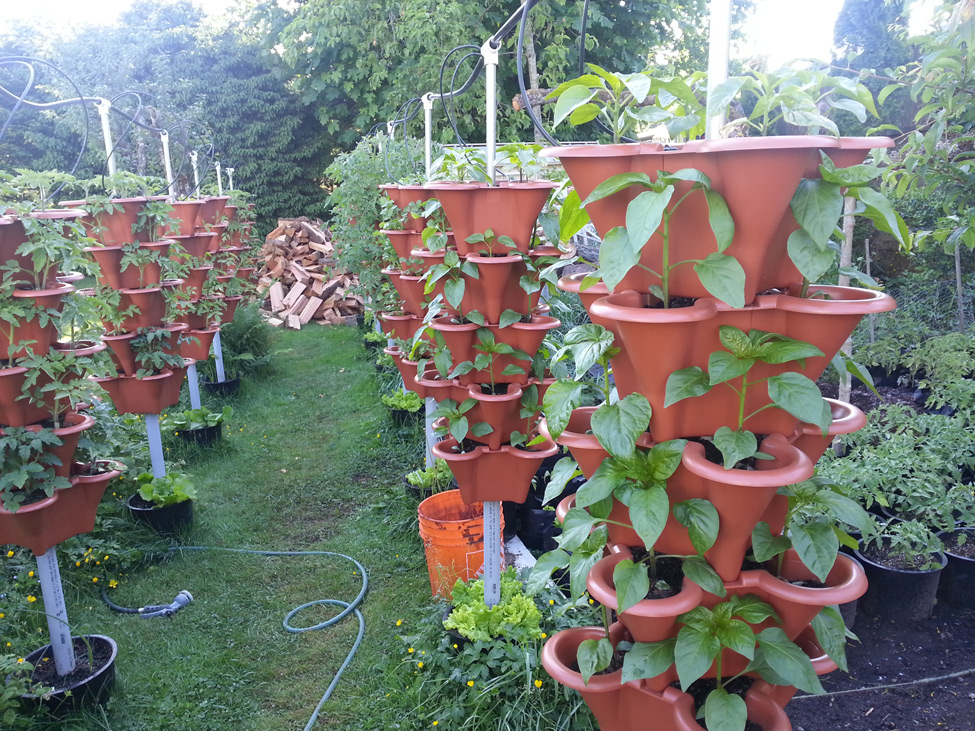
{"x":164,"y":503}
{"x":404,"y":407}
{"x":199,"y":426}
{"x":428,"y":481}
{"x":515,"y":618}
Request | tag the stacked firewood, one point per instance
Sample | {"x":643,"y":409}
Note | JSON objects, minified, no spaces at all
{"x":301,"y":278}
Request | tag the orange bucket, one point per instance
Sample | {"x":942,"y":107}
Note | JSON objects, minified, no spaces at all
{"x":453,"y":538}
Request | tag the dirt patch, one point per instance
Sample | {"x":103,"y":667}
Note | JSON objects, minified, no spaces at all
{"x":899,"y":654}
{"x":865,"y":399}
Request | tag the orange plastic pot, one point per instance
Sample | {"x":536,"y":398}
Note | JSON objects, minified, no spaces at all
{"x":508,"y":209}
{"x":453,"y":540}
{"x":196,"y":245}
{"x":691,"y":334}
{"x":501,"y":411}
{"x":195,"y":344}
{"x":14,"y":410}
{"x":150,"y":308}
{"x":193,"y":281}
{"x":230,"y":309}
{"x":121,"y":352}
{"x":149,"y":395}
{"x":582,"y":443}
{"x":497,"y":287}
{"x":402,"y":326}
{"x":403,"y":242}
{"x":117,"y":227}
{"x":187,"y":216}
{"x":501,"y":474}
{"x":212,"y":209}
{"x":44,"y":335}
{"x":404,"y":195}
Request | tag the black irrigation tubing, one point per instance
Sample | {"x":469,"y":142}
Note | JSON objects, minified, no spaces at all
{"x":452,"y":116}
{"x":521,"y":75}
{"x":134,"y":121}
{"x":21,"y":100}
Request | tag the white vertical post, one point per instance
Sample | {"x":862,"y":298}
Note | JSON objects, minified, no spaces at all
{"x":428,"y":132}
{"x":170,"y":178}
{"x":219,"y":179}
{"x":155,"y":445}
{"x":57,"y":615}
{"x":718,"y":52}
{"x":490,"y":55}
{"x":104,"y":107}
{"x":218,"y":358}
{"x":230,"y":178}
{"x":194,"y":383}
{"x":492,"y":552}
{"x":431,"y":406}
{"x":196,"y":172}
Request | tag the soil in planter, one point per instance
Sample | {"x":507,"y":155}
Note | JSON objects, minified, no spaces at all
{"x":713,"y":454}
{"x":865,"y":400}
{"x":46,"y":674}
{"x":700,"y":689}
{"x":967,"y":549}
{"x":669,"y":570}
{"x":676,"y":303}
{"x":883,"y":556}
{"x":899,"y":652}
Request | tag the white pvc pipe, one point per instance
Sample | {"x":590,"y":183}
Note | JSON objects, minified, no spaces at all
{"x":230,"y":178}
{"x":492,"y":552}
{"x":428,"y":132}
{"x":718,"y":53}
{"x":154,"y":436}
{"x":194,"y":383}
{"x":431,"y":438}
{"x":218,"y":358}
{"x":170,"y":178}
{"x":490,"y":56}
{"x":219,"y":179}
{"x":104,"y":107}
{"x":57,"y":615}
{"x":196,"y":173}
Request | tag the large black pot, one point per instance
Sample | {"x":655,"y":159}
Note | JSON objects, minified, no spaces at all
{"x":402,"y":417}
{"x":222,"y":388}
{"x":167,"y":520}
{"x":86,"y":691}
{"x":957,"y":584}
{"x":205,"y":436}
{"x":898,"y":594}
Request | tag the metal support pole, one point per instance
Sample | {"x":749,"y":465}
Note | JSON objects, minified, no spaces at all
{"x":871,"y":318}
{"x":155,"y":445}
{"x":57,"y":615}
{"x":428,"y":132}
{"x":219,"y":179}
{"x":490,"y":55}
{"x":431,"y":406}
{"x":492,"y":552}
{"x":104,"y":107}
{"x":390,"y":130}
{"x":170,"y":178}
{"x":230,"y":178}
{"x":719,"y":51}
{"x":196,"y":172}
{"x":218,"y":358}
{"x":194,"y":383}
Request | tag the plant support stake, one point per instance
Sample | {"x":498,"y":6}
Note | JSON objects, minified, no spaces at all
{"x":219,"y":178}
{"x":230,"y":178}
{"x":194,"y":384}
{"x":218,"y":358}
{"x":431,"y":406}
{"x":104,"y":107}
{"x":194,"y":158}
{"x":492,"y":552}
{"x":170,"y":178}
{"x":57,"y":615}
{"x":154,"y":436}
{"x":490,"y":54}
{"x":718,"y":52}
{"x":427,"y":132}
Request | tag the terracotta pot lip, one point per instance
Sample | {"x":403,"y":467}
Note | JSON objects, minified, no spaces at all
{"x":91,"y":349}
{"x":187,"y":202}
{"x":198,"y":235}
{"x":571,"y":638}
{"x":6,"y":370}
{"x":571,"y":439}
{"x":486,"y":259}
{"x":83,"y":202}
{"x":170,"y":283}
{"x":218,"y":198}
{"x":163,"y":374}
{"x":61,"y":288}
{"x":795,"y":465}
{"x":75,"y":423}
{"x":204,"y":330}
{"x":847,"y":419}
{"x":111,"y":474}
{"x":395,"y":231}
{"x":421,"y":253}
{"x":204,"y":268}
{"x":600,"y":584}
{"x":629,"y":306}
{"x":395,"y":316}
{"x":536,"y":322}
{"x":848,"y":583}
{"x":33,"y":507}
{"x":573,"y":283}
{"x":442,"y":448}
{"x":92,"y":249}
{"x":469,"y":185}
{"x":475,"y":393}
{"x":161,"y":244}
{"x":401,"y":186}
{"x":54,"y":214}
{"x":844,"y":301}
{"x":69,"y":277}
{"x":146,"y":290}
{"x":119,"y":337}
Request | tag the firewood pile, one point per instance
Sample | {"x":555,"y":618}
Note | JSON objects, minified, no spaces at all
{"x":300,"y":278}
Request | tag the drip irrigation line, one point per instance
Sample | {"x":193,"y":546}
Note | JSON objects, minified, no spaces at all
{"x":521,"y":77}
{"x":922,"y":681}
{"x":452,"y":115}
{"x":348,"y":608}
{"x":21,"y":100}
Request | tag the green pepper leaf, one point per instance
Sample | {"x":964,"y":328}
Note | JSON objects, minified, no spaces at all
{"x":648,"y":659}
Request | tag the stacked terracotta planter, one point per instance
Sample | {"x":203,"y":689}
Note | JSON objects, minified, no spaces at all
{"x":143,"y":289}
{"x":69,"y":512}
{"x":490,"y":468}
{"x":757,"y":178}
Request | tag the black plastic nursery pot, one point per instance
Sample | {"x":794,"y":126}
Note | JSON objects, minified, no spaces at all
{"x":166,"y":520}
{"x":402,"y":417}
{"x":90,"y":687}
{"x":957,"y":585}
{"x":222,"y":388}
{"x":421,"y":493}
{"x":205,"y":436}
{"x":897,"y":594}
{"x":538,"y":529}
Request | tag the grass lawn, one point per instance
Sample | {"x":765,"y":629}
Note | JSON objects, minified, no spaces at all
{"x":310,"y":461}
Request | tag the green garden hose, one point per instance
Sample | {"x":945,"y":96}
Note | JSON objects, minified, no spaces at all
{"x":348,"y":608}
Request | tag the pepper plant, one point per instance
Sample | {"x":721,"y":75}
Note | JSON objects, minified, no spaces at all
{"x":790,"y":391}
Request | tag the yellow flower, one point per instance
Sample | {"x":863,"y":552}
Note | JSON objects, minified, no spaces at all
{"x":544,"y":635}
{"x":94,"y":579}
{"x":455,"y":645}
{"x":399,"y":622}
{"x":31,"y":598}
{"x":551,"y":601}
{"x":20,"y":659}
{"x":30,"y":574}
{"x":113,"y":584}
{"x":105,"y":559}
{"x":470,"y":683}
{"x":436,"y":723}
{"x":538,"y":683}
{"x":8,"y":644}
{"x":77,"y":563}
{"x":410,"y":651}
{"x":10,"y":554}
{"x":419,"y":664}
{"x":423,"y":652}
{"x":2,"y":615}
{"x":591,"y":601}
